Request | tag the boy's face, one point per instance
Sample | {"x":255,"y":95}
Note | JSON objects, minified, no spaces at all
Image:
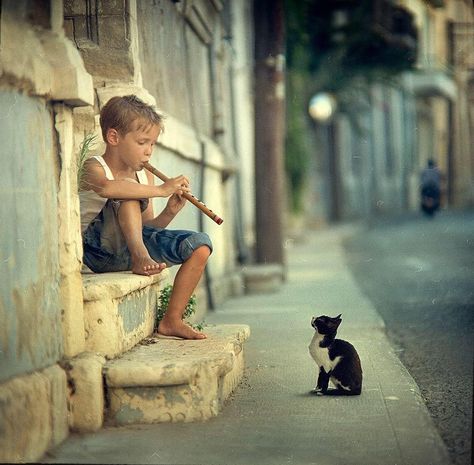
{"x":136,"y":147}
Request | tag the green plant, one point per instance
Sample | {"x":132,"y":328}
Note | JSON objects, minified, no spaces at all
{"x":84,"y":149}
{"x":163,"y":301}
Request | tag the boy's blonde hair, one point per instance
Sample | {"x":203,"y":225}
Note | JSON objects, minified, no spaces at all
{"x":121,"y":113}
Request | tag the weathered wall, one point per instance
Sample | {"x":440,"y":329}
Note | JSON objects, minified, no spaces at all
{"x":40,"y":289}
{"x":183,"y":63}
{"x":31,"y":336}
{"x":175,"y":63}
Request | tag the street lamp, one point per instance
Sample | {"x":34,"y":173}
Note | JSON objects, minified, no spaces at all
{"x":322,"y":107}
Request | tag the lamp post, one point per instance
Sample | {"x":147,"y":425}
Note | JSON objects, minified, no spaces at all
{"x":322,"y":108}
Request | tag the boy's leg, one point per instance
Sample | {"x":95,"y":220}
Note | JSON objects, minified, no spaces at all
{"x":184,"y":285}
{"x":130,"y":221}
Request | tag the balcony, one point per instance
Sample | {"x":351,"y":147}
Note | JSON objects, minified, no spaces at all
{"x":432,"y":83}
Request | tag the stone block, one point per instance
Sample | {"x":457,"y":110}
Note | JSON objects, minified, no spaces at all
{"x":229,"y":381}
{"x":86,"y":400}
{"x":112,"y":7}
{"x":262,"y":278}
{"x":237,"y":285}
{"x":70,"y":240}
{"x":113,"y":32}
{"x":33,"y":414}
{"x":119,"y":310}
{"x":71,"y":83}
{"x":72,"y":314}
{"x":173,"y":380}
{"x":230,"y":284}
{"x":104,"y":94}
{"x":58,"y":404}
{"x":74,"y":8}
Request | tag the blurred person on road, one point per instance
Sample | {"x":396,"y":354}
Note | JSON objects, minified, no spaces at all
{"x":430,"y":187}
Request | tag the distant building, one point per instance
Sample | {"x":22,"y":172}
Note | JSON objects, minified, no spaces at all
{"x":373,"y":155}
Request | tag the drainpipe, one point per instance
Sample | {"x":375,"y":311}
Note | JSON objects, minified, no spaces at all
{"x":202,"y":161}
{"x":242,"y":249}
{"x":202,"y":184}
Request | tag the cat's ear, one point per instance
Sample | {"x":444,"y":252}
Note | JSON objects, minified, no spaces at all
{"x":337,"y":320}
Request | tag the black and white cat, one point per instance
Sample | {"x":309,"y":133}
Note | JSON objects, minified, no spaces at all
{"x":337,"y":360}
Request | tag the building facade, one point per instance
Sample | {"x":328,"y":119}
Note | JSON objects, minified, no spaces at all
{"x":370,"y":160}
{"x":60,"y":62}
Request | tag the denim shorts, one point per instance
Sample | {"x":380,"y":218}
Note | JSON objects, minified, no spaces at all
{"x":105,"y":249}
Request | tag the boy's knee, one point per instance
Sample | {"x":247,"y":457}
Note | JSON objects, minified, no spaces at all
{"x":203,"y":241}
{"x":201,"y":255}
{"x":201,"y":245}
{"x":204,"y":252}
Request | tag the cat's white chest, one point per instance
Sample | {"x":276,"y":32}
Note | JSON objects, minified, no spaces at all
{"x":321,"y":354}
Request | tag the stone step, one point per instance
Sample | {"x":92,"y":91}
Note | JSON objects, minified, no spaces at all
{"x":263,"y":278}
{"x":172,"y":380}
{"x":119,"y":310}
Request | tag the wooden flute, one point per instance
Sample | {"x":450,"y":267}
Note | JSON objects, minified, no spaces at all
{"x":197,"y":203}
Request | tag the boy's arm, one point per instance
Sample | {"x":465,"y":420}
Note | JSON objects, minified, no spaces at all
{"x":96,"y":180}
{"x":160,"y":221}
{"x":174,"y":205}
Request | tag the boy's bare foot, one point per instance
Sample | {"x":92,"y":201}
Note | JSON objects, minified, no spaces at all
{"x":147,"y":266}
{"x":179,"y":329}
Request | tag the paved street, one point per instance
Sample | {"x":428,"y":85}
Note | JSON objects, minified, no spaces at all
{"x":271,"y":418}
{"x":419,"y":274}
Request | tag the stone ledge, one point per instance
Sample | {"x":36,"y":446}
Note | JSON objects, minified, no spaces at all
{"x":119,"y":310}
{"x":175,"y":380}
{"x":168,"y":362}
{"x":49,"y":64}
{"x":97,"y":286}
{"x":262,"y":278}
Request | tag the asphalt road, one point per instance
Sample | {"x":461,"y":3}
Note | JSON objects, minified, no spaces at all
{"x":419,"y":274}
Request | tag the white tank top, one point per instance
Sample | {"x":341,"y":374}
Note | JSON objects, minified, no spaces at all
{"x":92,"y":203}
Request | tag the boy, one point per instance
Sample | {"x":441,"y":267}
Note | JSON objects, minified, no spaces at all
{"x":120,"y":231}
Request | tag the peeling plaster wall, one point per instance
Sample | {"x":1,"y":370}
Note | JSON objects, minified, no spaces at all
{"x":186,"y":66}
{"x":175,"y":64}
{"x":30,"y":320}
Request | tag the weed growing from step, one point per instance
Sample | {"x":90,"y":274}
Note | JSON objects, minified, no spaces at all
{"x":87,"y":143}
{"x":163,"y":301}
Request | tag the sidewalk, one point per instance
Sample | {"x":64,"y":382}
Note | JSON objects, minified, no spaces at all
{"x":271,"y":418}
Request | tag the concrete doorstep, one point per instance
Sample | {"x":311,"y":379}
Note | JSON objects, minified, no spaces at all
{"x":129,"y":377}
{"x":172,"y":380}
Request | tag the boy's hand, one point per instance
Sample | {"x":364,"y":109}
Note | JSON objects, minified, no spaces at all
{"x":178,"y":185}
{"x":175,"y":204}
